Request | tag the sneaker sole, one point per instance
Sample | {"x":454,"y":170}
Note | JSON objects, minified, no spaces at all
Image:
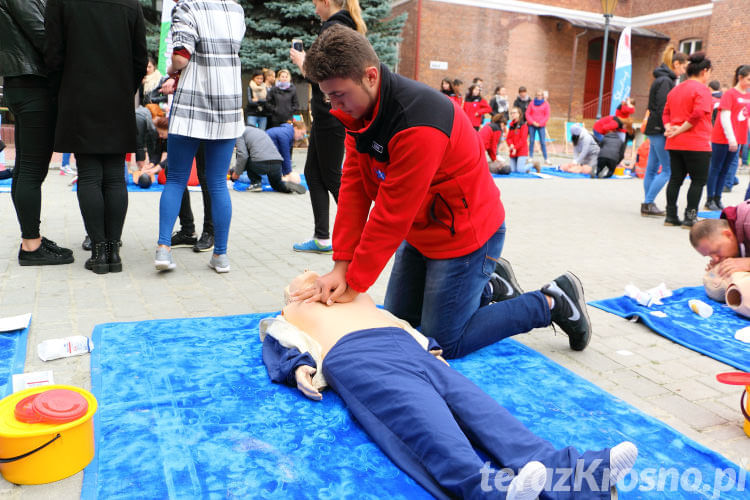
{"x":182,"y":245}
{"x":219,"y":269}
{"x":164,"y":265}
{"x":581,"y":303}
{"x":196,"y":249}
{"x":312,"y":251}
{"x":44,"y":263}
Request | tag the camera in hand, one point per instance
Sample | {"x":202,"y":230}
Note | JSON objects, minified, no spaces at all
{"x":297,"y":45}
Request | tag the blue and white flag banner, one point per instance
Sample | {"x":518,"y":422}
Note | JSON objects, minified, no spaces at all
{"x":623,"y":71}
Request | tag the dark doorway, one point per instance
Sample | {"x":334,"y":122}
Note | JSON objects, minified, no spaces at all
{"x":593,"y":73}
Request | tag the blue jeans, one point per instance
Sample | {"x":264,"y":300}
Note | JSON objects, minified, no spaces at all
{"x":721,"y":159}
{"x":731,"y":178}
{"x":533,"y":131}
{"x":449,"y":298}
{"x":66,"y":159}
{"x":257,"y":121}
{"x":657,"y":155}
{"x":181,"y":151}
{"x":518,"y":164}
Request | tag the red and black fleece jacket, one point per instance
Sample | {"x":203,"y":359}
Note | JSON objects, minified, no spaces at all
{"x":423,"y":165}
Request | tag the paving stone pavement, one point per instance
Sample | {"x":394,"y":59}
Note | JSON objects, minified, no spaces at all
{"x":591,"y":227}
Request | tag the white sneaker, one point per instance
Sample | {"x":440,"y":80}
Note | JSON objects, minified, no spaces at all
{"x":163,"y":260}
{"x":528,"y":483}
{"x":548,"y":162}
{"x":219,"y":263}
{"x":621,"y":460}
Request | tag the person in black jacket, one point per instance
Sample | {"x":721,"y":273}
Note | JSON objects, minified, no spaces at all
{"x":282,"y":99}
{"x":665,"y":78}
{"x":97,"y":49}
{"x":611,"y":153}
{"x":325,"y":153}
{"x":28,"y":95}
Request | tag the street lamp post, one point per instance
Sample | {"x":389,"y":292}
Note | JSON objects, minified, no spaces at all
{"x":608,"y":7}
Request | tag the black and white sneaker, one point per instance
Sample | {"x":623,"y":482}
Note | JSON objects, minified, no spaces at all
{"x":205,"y":243}
{"x":181,"y":239}
{"x":503,"y":282}
{"x":569,"y":310}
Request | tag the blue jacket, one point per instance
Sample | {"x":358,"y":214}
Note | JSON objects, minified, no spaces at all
{"x":283,"y":139}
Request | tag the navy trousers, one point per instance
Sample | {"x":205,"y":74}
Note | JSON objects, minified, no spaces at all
{"x":428,"y":418}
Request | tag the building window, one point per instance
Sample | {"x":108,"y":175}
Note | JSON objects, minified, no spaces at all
{"x":691,"y":45}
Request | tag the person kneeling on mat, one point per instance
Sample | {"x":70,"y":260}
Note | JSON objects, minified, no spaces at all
{"x":425,"y":416}
{"x":258,"y":155}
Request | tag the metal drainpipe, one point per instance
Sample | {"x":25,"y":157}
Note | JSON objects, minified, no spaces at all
{"x":573,"y":69}
{"x":419,"y":32}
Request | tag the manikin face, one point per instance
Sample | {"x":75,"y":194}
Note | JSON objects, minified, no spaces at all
{"x":719,"y":247}
{"x":356,"y":99}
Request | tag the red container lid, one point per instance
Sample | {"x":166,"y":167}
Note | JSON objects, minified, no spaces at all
{"x":734,"y":378}
{"x":60,"y":405}
{"x":24,"y":411}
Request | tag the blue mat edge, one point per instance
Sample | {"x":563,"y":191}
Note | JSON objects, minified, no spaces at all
{"x":647,"y":320}
{"x":19,"y":361}
{"x":91,"y":471}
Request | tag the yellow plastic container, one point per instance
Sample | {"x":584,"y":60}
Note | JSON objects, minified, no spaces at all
{"x":62,"y":456}
{"x":619,"y":171}
{"x":746,"y":426}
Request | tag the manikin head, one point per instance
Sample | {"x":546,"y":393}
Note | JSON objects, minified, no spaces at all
{"x":347,"y":69}
{"x":300,"y":282}
{"x":715,"y":239}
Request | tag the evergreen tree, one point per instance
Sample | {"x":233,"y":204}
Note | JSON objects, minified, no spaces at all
{"x":271,"y":26}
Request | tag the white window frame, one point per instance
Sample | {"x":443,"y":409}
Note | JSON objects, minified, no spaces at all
{"x":687,"y":46}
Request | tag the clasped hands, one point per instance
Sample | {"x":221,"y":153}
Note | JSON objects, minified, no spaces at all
{"x":328,"y":289}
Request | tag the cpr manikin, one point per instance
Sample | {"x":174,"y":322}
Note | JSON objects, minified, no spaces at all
{"x":735,"y":291}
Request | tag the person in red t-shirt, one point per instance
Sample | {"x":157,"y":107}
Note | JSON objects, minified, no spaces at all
{"x":687,"y":127}
{"x":730,"y":130}
{"x":518,"y":141}
{"x":414,"y":154}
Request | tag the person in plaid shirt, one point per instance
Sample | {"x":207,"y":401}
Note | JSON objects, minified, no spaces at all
{"x":207,"y":108}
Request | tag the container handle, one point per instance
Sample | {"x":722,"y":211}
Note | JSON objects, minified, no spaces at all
{"x":19,"y":457}
{"x":742,"y":405}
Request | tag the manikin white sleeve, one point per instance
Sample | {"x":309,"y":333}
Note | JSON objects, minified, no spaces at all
{"x":726,"y":124}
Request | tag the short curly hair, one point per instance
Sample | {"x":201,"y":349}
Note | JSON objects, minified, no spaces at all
{"x":339,"y":52}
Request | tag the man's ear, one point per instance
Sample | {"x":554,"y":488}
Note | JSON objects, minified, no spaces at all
{"x":371,"y":76}
{"x":727,"y":233}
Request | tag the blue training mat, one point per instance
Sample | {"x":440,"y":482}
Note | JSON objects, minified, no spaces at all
{"x":560,"y":173}
{"x":517,"y":175}
{"x":712,"y":214}
{"x":712,"y":336}
{"x":186,"y":410}
{"x":12,"y":357}
{"x":243,"y":183}
{"x":5,"y":185}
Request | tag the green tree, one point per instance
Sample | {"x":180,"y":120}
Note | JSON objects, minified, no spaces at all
{"x":271,"y":26}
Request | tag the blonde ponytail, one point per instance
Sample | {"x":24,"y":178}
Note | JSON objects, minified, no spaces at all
{"x":352,"y":6}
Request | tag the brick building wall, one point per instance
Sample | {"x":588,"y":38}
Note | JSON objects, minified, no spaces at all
{"x":728,"y":44}
{"x":645,"y":7}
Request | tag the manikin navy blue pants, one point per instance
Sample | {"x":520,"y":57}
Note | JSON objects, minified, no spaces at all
{"x":427,"y":418}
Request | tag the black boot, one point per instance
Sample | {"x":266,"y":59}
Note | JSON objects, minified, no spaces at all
{"x":113,"y":257}
{"x":652,"y":211}
{"x":672,"y":219}
{"x":98,"y":261}
{"x":691,"y":217}
{"x":717,"y":202}
{"x":644,"y":209}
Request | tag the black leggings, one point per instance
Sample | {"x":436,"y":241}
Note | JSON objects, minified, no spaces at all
{"x":187,"y":221}
{"x":694,"y":163}
{"x":102,"y":195}
{"x":323,"y":173}
{"x":34,"y":111}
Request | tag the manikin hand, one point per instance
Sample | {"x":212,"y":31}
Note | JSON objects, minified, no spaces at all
{"x":726,"y":267}
{"x":304,"y":375}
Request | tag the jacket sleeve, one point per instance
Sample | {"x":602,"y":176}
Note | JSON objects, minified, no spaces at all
{"x":140,"y":52}
{"x":529,"y":115}
{"x":484,"y":108}
{"x":350,"y":223}
{"x":54,"y":46}
{"x":242,"y":155}
{"x":660,"y":96}
{"x":416,"y":154}
{"x":545,"y":114}
{"x":29,"y":16}
{"x":282,"y":362}
{"x":284,"y":148}
{"x":494,"y":139}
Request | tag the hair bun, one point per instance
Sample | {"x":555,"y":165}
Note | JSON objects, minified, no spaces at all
{"x":697,"y":57}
